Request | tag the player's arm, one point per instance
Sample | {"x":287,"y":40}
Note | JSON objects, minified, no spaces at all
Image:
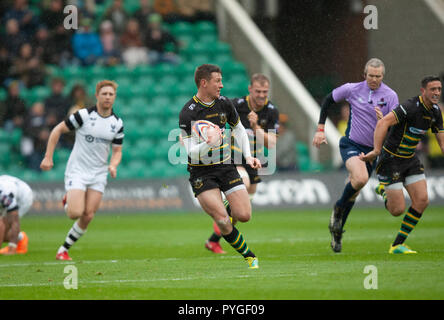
{"x":381,"y":130}
{"x":241,"y":137}
{"x":319,"y":137}
{"x":116,"y":157}
{"x":269,"y":138}
{"x":47,"y":162}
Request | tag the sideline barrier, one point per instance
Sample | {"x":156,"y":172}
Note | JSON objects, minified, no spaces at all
{"x":279,"y":191}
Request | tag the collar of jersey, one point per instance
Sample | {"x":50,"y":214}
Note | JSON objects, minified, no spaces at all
{"x":94,"y":108}
{"x":424,"y":105}
{"x":249,"y":105}
{"x":202,"y":103}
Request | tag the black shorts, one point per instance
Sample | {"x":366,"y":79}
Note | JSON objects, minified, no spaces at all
{"x":224,"y":177}
{"x":391,"y":169}
{"x":252,"y":174}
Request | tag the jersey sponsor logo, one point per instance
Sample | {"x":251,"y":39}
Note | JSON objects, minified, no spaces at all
{"x":417,"y":131}
{"x":89,"y":138}
{"x":223,"y":118}
{"x":191,"y":106}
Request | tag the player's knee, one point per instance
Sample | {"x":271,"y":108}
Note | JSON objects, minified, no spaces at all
{"x":421,"y":203}
{"x":243,"y":215}
{"x":396,"y":210}
{"x":359,"y":181}
{"x":73,"y":214}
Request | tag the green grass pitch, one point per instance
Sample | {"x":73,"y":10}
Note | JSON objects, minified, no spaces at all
{"x":162,"y":257}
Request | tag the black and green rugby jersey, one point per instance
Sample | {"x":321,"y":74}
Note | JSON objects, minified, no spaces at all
{"x":268,"y":120}
{"x":414,"y":119}
{"x":220,"y":112}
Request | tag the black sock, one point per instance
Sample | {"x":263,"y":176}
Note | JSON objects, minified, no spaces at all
{"x":236,"y":240}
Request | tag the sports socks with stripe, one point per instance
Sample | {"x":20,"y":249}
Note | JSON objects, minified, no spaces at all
{"x":73,"y":235}
{"x":411,"y":218}
{"x":237,"y":241}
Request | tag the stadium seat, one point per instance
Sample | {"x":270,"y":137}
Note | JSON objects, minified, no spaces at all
{"x":204,"y":27}
{"x":181,"y":28}
{"x":5,"y":154}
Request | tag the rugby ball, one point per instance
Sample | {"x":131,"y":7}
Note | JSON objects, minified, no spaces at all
{"x":200,"y":129}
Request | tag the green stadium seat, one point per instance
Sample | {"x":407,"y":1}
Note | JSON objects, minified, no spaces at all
{"x":5,"y":154}
{"x":181,"y":28}
{"x":204,"y":27}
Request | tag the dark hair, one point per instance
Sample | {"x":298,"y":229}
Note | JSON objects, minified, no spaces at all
{"x":204,"y":72}
{"x":426,"y":80}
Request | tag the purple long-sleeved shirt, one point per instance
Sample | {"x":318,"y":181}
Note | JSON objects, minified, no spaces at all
{"x":363,"y":100}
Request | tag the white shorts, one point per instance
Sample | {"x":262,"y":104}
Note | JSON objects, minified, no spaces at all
{"x":79,"y":182}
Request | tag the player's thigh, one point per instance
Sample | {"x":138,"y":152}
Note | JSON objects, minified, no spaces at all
{"x":244,"y":175}
{"x":418,"y":193}
{"x":252,"y":189}
{"x":358,"y":172}
{"x":93,"y":200}
{"x":240,"y":205}
{"x":76,"y":200}
{"x":395,"y":198}
{"x":211,"y":202}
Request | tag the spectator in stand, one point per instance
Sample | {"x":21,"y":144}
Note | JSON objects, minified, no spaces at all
{"x":28,"y":67}
{"x":27,"y":20}
{"x":167,"y":9}
{"x":343,"y":118}
{"x":110,"y":44}
{"x":36,"y":134}
{"x":133,"y":50}
{"x":56,"y":105}
{"x":13,"y":37}
{"x":156,"y":39}
{"x":52,"y":15}
{"x":5,"y":65}
{"x":143,"y":13}
{"x":86,"y":43}
{"x":195,"y":10}
{"x":79,"y":99}
{"x":285,"y":146}
{"x":118,"y":16}
{"x":15,"y":108}
{"x":59,"y":38}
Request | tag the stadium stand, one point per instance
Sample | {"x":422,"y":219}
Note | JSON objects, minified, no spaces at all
{"x":149,"y":98}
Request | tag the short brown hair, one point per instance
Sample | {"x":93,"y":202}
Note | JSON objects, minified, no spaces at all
{"x":204,"y":72}
{"x":259,"y":77}
{"x":106,"y":83}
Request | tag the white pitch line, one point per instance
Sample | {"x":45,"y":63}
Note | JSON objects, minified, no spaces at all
{"x":15,"y":285}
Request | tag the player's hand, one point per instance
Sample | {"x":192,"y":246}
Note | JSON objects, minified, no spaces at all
{"x":253,"y":162}
{"x":369,"y":157}
{"x":319,"y":138}
{"x":214,"y":136}
{"x":112,"y":171}
{"x":46,"y":164}
{"x":253,"y":119}
{"x":379,"y":114}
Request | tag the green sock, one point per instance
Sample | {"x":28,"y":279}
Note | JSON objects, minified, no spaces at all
{"x":409,"y":222}
{"x":237,"y":241}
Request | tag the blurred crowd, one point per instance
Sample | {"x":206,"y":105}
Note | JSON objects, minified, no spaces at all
{"x":34,"y":36}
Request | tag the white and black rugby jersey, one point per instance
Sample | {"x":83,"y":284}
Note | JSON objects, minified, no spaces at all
{"x":94,"y":136}
{"x":11,"y":189}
